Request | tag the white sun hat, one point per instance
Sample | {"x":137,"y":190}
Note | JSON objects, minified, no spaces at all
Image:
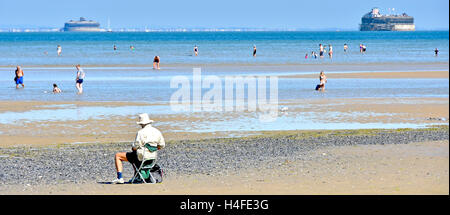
{"x":144,"y":119}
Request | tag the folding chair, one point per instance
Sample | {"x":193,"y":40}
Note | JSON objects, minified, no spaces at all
{"x":145,"y":165}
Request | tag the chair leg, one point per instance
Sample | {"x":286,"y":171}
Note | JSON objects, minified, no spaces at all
{"x":152,"y":179}
{"x":135,"y":174}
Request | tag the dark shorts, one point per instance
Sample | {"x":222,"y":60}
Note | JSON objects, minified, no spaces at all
{"x":321,"y":53}
{"x":19,"y":80}
{"x":133,"y":158}
{"x":80,"y":81}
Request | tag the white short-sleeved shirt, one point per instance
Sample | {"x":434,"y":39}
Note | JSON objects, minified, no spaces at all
{"x":153,"y":137}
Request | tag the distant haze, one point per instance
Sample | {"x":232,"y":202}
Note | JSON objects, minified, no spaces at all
{"x":266,"y":14}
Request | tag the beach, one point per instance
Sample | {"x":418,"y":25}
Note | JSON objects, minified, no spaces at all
{"x":402,"y":161}
{"x":380,"y":126}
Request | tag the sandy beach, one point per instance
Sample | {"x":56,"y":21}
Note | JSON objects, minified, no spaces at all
{"x":413,"y":161}
{"x":390,"y":137}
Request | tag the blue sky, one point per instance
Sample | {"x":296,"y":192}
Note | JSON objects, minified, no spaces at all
{"x":309,"y":14}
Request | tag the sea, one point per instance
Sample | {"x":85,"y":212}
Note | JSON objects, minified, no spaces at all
{"x":219,"y":47}
{"x":126,"y":75}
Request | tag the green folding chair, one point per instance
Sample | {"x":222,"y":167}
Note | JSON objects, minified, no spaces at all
{"x":145,"y":167}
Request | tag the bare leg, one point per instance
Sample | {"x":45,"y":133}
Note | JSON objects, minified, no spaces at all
{"x":78,"y":85}
{"x":121,"y":156}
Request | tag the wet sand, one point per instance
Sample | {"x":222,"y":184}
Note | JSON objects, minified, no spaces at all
{"x":378,"y":75}
{"x":117,"y":128}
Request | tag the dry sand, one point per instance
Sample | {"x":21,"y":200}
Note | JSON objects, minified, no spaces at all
{"x":416,"y":168}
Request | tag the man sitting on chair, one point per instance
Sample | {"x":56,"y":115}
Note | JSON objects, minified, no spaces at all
{"x":148,"y":134}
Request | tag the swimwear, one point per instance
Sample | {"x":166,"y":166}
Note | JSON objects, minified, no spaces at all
{"x":321,"y":53}
{"x":19,"y":80}
{"x":80,"y":81}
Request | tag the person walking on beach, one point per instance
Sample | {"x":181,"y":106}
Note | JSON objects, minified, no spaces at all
{"x":196,"y":50}
{"x":436,"y":52}
{"x":254,"y":51}
{"x":321,"y":50}
{"x":56,"y":89}
{"x":330,"y":51}
{"x":79,"y":79}
{"x":59,"y":50}
{"x":147,"y":135}
{"x":323,"y":80}
{"x":19,"y":77}
{"x":156,"y":62}
{"x":345,"y":47}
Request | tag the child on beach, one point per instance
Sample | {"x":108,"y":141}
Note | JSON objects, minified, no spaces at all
{"x":306,"y":56}
{"x":79,"y":79}
{"x":323,"y":80}
{"x":56,"y":89}
{"x":345,"y":47}
{"x":196,"y":50}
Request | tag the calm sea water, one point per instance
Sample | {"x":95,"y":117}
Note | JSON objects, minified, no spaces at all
{"x":105,"y":83}
{"x":230,"y":48}
{"x":219,"y":47}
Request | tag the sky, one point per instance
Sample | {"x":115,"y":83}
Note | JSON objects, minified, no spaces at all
{"x":268,"y":14}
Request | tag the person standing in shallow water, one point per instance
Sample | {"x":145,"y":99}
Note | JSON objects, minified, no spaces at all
{"x":79,"y":79}
{"x":19,"y":77}
{"x":436,"y":52}
{"x":323,"y":81}
{"x":59,"y":50}
{"x":321,"y":50}
{"x":196,"y":51}
{"x":254,"y":51}
{"x":156,"y":62}
{"x":345,"y":47}
{"x":330,"y":51}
